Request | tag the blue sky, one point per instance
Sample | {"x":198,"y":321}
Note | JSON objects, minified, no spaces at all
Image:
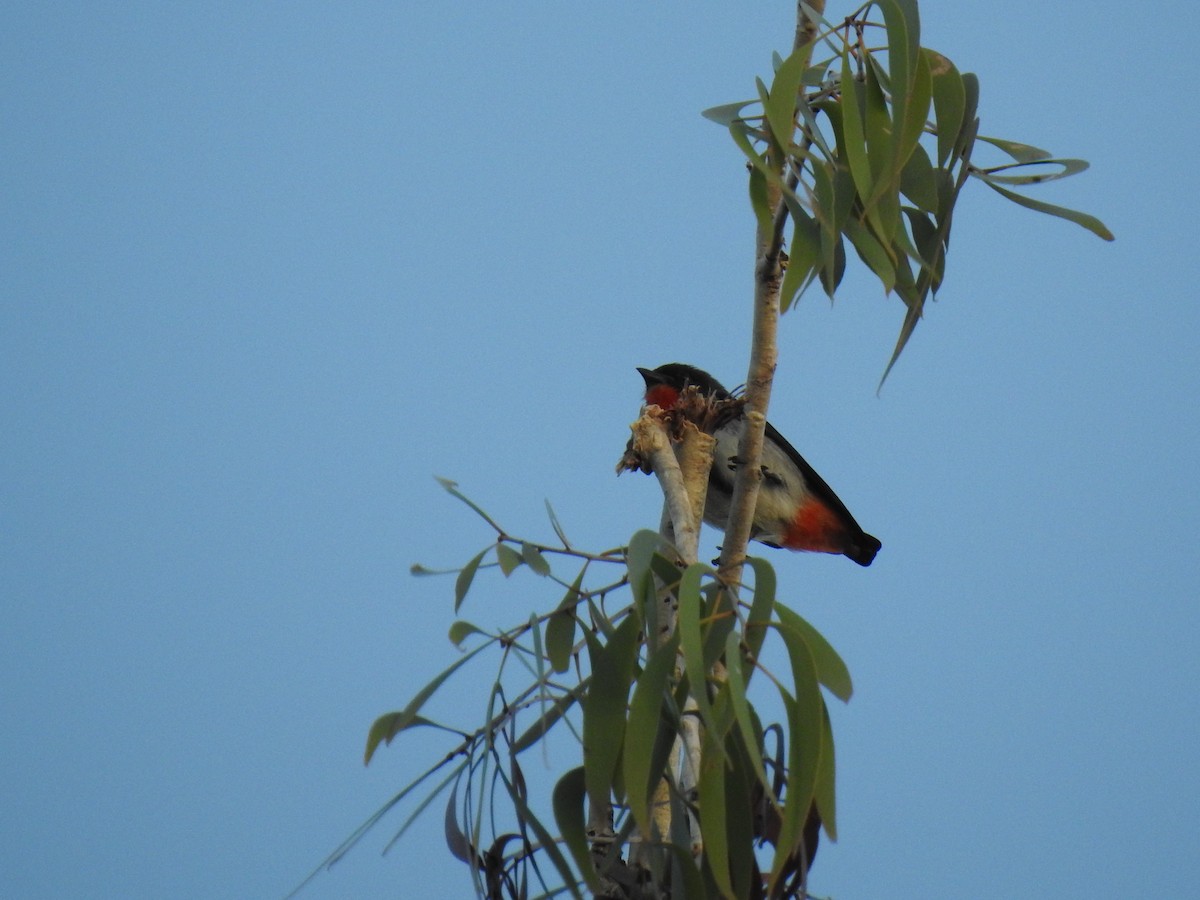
{"x":266,"y":269}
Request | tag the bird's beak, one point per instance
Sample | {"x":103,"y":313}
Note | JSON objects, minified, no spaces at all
{"x":651,"y":377}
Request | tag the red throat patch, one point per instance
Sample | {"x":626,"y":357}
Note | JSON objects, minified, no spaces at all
{"x":661,"y":395}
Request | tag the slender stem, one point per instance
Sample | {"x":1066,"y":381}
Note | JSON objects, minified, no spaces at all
{"x":764,"y":350}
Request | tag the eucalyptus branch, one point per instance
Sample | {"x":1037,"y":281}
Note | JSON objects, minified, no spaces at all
{"x":764,"y":351}
{"x":651,"y":442}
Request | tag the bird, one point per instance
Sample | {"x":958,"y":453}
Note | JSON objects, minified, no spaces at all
{"x":796,"y":509}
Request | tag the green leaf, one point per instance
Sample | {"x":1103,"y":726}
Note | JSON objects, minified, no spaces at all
{"x":949,"y":102}
{"x":970,"y":124}
{"x":558,"y":530}
{"x":735,"y":689}
{"x":830,"y":668}
{"x":422,"y":571}
{"x":727,"y":113}
{"x":912,"y":315}
{"x":451,"y":488}
{"x":604,"y":706}
{"x":452,"y":777}
{"x":853,"y":145}
{"x":720,"y":619}
{"x":457,"y":842}
{"x":539,"y":655}
{"x":760,"y":200}
{"x":691,"y":640}
{"x":508,"y":558}
{"x":761,"y":607}
{"x":387,"y":727}
{"x":739,"y":819}
{"x":804,"y":251}
{"x":460,"y":631}
{"x":780,"y":108}
{"x":824,"y":793}
{"x":643,"y":767}
{"x":1022,"y":153}
{"x":642,"y":547}
{"x":879,"y":131}
{"x":571,"y":817}
{"x":1091,"y":223}
{"x":463,"y":583}
{"x":560,"y":630}
{"x":917,"y":181}
{"x":834,"y":111}
{"x":683,"y":869}
{"x":549,"y":718}
{"x":711,"y":790}
{"x":908,"y":134}
{"x":872,"y":253}
{"x":1066,"y":167}
{"x":804,"y":723}
{"x":921,"y":224}
{"x":904,"y":43}
{"x":534,"y":559}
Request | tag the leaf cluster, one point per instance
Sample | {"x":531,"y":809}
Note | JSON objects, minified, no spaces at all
{"x":872,"y":144}
{"x":593,"y":671}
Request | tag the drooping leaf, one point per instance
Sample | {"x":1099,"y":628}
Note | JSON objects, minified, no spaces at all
{"x":872,"y":253}
{"x":571,"y":816}
{"x":761,"y":608}
{"x":539,"y":655}
{"x":691,"y":640}
{"x":1059,"y":168}
{"x":548,"y":719}
{"x":804,"y":724}
{"x":642,"y":765}
{"x":727,"y":113}
{"x":422,"y":571}
{"x":918,"y":182}
{"x":420,"y":808}
{"x":853,"y":146}
{"x":1091,"y":223}
{"x":387,"y":727}
{"x":949,"y":102}
{"x":711,"y":790}
{"x":460,"y":631}
{"x":825,"y":793}
{"x":560,"y":630}
{"x":916,"y":117}
{"x":642,"y":547}
{"x":830,"y":668}
{"x":720,"y":620}
{"x":904,"y":41}
{"x":463,"y":583}
{"x":760,"y":200}
{"x":558,"y":529}
{"x":780,"y":108}
{"x":813,"y":128}
{"x":456,"y":840}
{"x":804,"y":251}
{"x":451,"y":488}
{"x":740,"y":783}
{"x":534,"y":559}
{"x":685,"y":877}
{"x":970,"y":122}
{"x":878,"y":130}
{"x":604,"y":707}
{"x":735,"y":688}
{"x":508,"y":558}
{"x":912,"y":315}
{"x":1022,"y":153}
